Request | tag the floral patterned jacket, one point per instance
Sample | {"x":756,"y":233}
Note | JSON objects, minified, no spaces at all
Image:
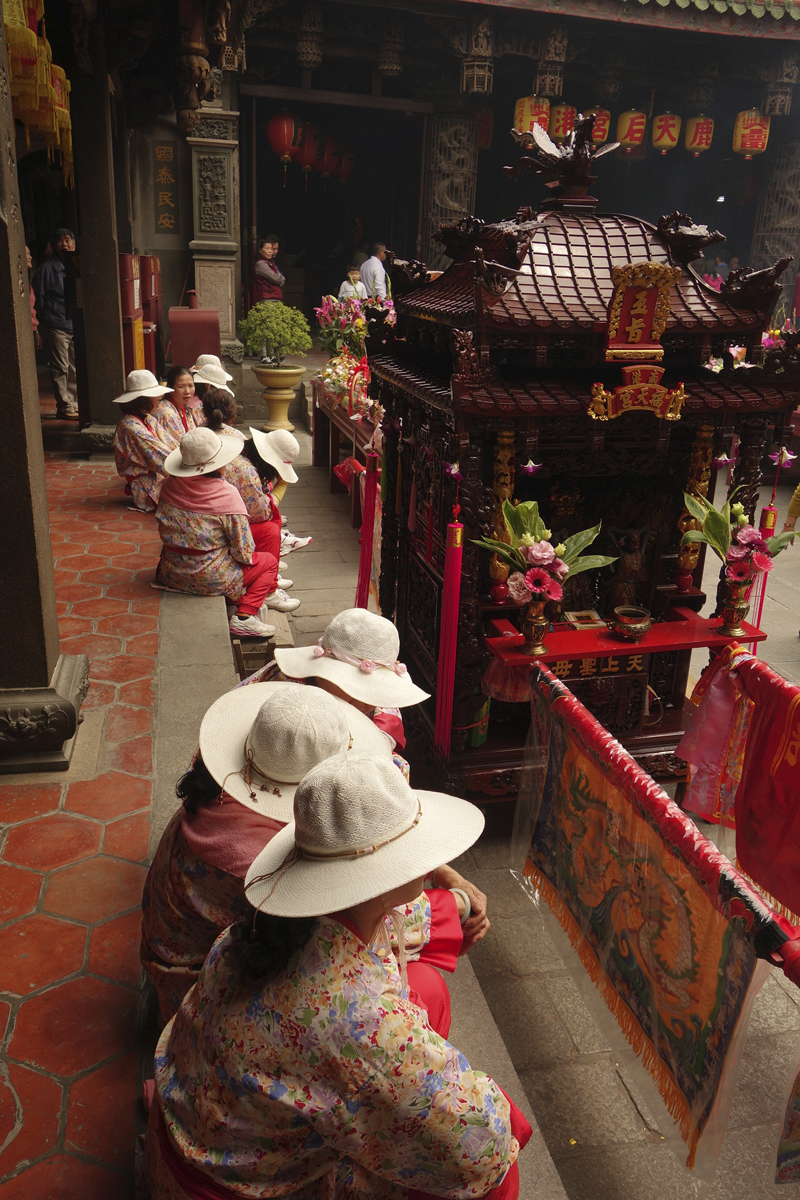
{"x":218,"y":573}
{"x":140,"y":451}
{"x":172,"y":424}
{"x":244,"y":477}
{"x":328,"y":1072}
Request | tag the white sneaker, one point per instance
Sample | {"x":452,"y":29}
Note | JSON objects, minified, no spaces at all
{"x":250,"y":627}
{"x":291,"y":543}
{"x":285,"y":583}
{"x":280,"y":601}
{"x":283,"y":519}
{"x":281,"y":564}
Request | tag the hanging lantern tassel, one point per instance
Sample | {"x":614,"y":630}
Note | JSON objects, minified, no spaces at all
{"x":448,"y":636}
{"x":367,"y":531}
{"x":412,"y":507}
{"x":769,"y":517}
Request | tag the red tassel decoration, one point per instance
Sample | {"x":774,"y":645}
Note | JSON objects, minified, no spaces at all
{"x":367,"y":532}
{"x":766,"y":525}
{"x":448,"y":636}
{"x":429,"y":537}
{"x":412,"y":508}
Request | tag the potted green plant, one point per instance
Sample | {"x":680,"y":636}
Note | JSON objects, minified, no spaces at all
{"x":284,"y":331}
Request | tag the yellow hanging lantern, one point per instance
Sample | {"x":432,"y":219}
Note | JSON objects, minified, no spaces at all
{"x":530,"y":111}
{"x":666,"y":131}
{"x":562,"y":122}
{"x":602,"y":124}
{"x":750,"y":133}
{"x":19,"y":18}
{"x":630,"y":129}
{"x":699,"y":133}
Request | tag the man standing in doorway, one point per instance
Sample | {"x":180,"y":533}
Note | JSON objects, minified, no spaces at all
{"x":55,"y":327}
{"x":373,"y":272}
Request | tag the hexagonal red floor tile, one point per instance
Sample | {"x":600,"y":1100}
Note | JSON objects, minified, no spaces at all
{"x":51,"y":842}
{"x":139,"y":692}
{"x":135,"y":756}
{"x":94,"y":645}
{"x":95,"y":890}
{"x":75,"y":1025}
{"x":22,"y":801}
{"x":109,"y":795}
{"x":124,"y":722}
{"x":129,"y":837}
{"x":33,"y":1104}
{"x":19,"y":891}
{"x":123,"y":668}
{"x":67,"y":1178}
{"x":102,"y":1112}
{"x":39,"y":950}
{"x":114,"y":949}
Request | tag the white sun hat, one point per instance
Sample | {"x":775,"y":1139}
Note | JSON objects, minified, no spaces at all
{"x":358,"y":652}
{"x":141,"y":383}
{"x":259,"y":741}
{"x":279,"y":449}
{"x":214,"y":375}
{"x":202,"y":451}
{"x":359,"y":831}
{"x":209,"y":360}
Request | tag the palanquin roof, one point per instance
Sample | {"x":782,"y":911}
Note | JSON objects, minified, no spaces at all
{"x":564,"y":282}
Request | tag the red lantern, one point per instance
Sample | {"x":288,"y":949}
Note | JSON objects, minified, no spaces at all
{"x":562,"y":122}
{"x":699,"y":133}
{"x":332,"y":151}
{"x":602,"y":124}
{"x":750,"y":133}
{"x":347,"y":165}
{"x":285,"y":136}
{"x":311,"y":150}
{"x":666,"y":131}
{"x":630,"y":129}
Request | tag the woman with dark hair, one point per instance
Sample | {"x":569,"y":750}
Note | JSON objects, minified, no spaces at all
{"x":140,"y":449}
{"x":305,"y":1063}
{"x":175,"y":413}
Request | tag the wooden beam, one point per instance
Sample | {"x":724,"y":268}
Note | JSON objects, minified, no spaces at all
{"x":345,"y":99}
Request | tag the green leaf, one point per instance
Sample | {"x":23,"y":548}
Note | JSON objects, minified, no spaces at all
{"x":718,"y":532}
{"x":779,"y":542}
{"x":514,"y":522}
{"x":589,"y":562}
{"x":578,"y":542}
{"x":694,"y":536}
{"x":512,"y":558}
{"x":533,"y":524}
{"x":697,"y":506}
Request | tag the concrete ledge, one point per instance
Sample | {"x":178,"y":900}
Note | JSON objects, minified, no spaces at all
{"x":193,"y":669}
{"x":475,"y":1034}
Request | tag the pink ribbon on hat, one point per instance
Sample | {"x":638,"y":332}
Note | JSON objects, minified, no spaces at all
{"x":367,"y":665}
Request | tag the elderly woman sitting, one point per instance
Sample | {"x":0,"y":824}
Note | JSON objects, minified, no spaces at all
{"x":207,"y":545}
{"x":179,"y":410}
{"x":302,"y":1064}
{"x":140,"y":448}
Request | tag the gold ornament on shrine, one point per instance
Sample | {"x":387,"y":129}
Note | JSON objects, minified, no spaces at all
{"x":666,"y":132}
{"x":631,"y":127}
{"x":699,"y":134}
{"x":639,"y":309}
{"x":562,"y":122}
{"x":602,"y":124}
{"x":530,"y":111}
{"x":750,"y":133}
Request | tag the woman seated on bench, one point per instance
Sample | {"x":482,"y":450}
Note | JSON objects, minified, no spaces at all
{"x":208,"y":549}
{"x":302,"y":1063}
{"x":140,"y":448}
{"x":179,"y":409}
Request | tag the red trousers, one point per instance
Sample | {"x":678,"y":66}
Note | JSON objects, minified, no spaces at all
{"x":428,"y":990}
{"x":260,"y":580}
{"x":267,"y":535}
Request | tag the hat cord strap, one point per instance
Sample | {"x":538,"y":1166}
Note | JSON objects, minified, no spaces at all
{"x":248,"y":771}
{"x":367,"y":665}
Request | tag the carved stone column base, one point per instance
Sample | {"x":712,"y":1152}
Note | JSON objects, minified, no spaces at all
{"x":98,"y":438}
{"x":38,"y":726}
{"x":232,"y":349}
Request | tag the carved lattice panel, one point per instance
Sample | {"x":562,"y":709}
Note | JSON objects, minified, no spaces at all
{"x":451,"y":174}
{"x":777,"y":225}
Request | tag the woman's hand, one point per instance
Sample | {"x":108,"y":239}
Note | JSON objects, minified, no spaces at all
{"x":478,"y":924}
{"x":789,"y":524}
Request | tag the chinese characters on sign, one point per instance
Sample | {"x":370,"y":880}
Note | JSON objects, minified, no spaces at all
{"x":750,"y":133}
{"x":165,"y":187}
{"x":699,"y":132}
{"x":666,"y":131}
{"x":584,"y":668}
{"x":639,"y":310}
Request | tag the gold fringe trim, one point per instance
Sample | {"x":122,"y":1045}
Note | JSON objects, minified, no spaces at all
{"x":770,"y":899}
{"x":638,"y":1040}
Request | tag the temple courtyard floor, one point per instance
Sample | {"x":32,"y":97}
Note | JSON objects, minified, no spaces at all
{"x":74,"y":850}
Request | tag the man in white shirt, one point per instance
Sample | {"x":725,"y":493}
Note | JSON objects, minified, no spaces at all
{"x":353,"y":286}
{"x":373,"y":273}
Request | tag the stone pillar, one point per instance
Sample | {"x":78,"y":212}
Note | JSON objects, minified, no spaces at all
{"x":450,"y":180}
{"x":40,"y":693}
{"x":97,"y":240}
{"x":216,"y":246}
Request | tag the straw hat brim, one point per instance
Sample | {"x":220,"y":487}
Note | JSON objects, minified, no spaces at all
{"x":382,"y":687}
{"x":156,"y":391}
{"x":224,"y":731}
{"x":309,"y":888}
{"x":268,"y":452}
{"x":199,"y":377}
{"x":199,"y":370}
{"x":231,"y":446}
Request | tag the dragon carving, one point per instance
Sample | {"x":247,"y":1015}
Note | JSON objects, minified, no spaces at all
{"x":567,"y":168}
{"x":686,"y":240}
{"x":756,"y":291}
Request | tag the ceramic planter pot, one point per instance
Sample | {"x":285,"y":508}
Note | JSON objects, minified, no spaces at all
{"x":279,"y":384}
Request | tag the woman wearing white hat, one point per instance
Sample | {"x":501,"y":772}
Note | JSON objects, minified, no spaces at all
{"x":140,"y":449}
{"x":208,"y":549}
{"x":274,"y":454}
{"x":209,"y":360}
{"x":210,"y":374}
{"x":299,"y":1065}
{"x":256,"y":744}
{"x":179,"y":410}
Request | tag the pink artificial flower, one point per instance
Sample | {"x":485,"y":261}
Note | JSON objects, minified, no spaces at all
{"x":738,"y":572}
{"x":554,"y":590}
{"x":747,"y":535}
{"x":537,"y":579}
{"x":737,"y":552}
{"x":540,"y":554}
{"x":761,"y":562}
{"x":559,"y":568}
{"x":516,"y":588}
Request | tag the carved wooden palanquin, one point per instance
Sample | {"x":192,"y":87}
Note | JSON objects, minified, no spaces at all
{"x":493,"y":367}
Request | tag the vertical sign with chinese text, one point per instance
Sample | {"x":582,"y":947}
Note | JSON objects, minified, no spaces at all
{"x":165,"y":187}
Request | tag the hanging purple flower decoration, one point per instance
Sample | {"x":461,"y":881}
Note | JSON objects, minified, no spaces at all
{"x":783,"y":457}
{"x":530,"y":467}
{"x":452,"y":470}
